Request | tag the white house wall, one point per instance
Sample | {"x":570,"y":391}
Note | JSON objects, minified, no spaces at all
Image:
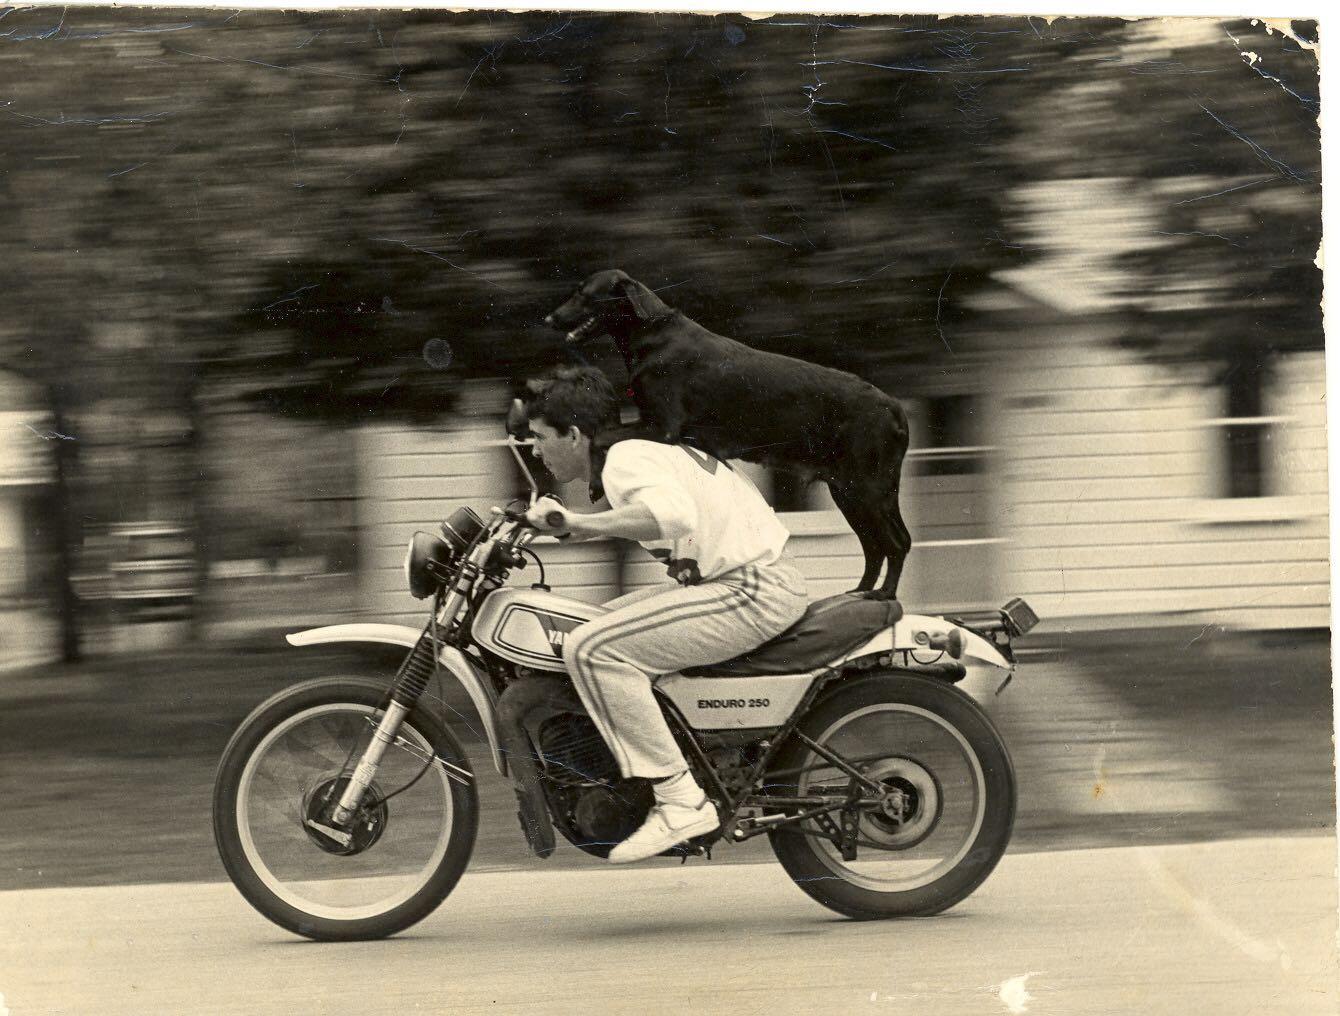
{"x":1108,"y":499}
{"x":1099,"y":492}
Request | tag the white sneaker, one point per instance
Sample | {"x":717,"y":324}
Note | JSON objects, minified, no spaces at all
{"x":667,"y":825}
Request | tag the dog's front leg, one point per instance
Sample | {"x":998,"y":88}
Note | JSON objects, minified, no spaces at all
{"x":661,"y":407}
{"x":672,"y":429}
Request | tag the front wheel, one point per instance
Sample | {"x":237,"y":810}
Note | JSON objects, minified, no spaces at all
{"x":947,"y":789}
{"x":408,"y":846}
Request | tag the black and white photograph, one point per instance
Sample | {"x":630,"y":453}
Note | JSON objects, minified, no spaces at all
{"x":641,"y":511}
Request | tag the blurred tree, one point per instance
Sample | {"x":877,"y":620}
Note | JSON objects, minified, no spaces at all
{"x":795,"y":182}
{"x":1235,"y":280}
{"x":338,"y":215}
{"x":1209,"y":132}
{"x":47,"y":343}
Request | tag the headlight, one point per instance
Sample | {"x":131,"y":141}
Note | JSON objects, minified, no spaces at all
{"x":427,"y":564}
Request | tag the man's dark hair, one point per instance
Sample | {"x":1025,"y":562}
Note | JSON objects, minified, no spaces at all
{"x":580,"y":397}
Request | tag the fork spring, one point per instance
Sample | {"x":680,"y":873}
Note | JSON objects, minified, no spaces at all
{"x":414,"y":673}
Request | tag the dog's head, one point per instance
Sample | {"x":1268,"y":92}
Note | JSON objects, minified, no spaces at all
{"x":607,"y":303}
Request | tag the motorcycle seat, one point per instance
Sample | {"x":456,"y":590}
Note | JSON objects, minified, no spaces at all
{"x":828,"y":629}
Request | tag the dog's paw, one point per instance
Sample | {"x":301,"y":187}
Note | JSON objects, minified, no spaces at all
{"x":878,"y":595}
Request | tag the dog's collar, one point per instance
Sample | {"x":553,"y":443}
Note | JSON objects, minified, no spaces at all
{"x":623,"y":342}
{"x":661,"y":319}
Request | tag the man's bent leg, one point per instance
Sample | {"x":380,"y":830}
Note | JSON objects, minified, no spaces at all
{"x":617,"y":692}
{"x":613,"y":662}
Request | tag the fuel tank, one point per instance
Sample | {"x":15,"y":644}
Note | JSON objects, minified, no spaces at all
{"x":528,"y":626}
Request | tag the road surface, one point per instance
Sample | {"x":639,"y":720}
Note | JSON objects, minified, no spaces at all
{"x":1244,"y":926}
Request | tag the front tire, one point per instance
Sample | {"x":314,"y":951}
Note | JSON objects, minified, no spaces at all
{"x":411,"y":850}
{"x":956,"y":792}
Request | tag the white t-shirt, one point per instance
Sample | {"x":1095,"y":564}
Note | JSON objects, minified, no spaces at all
{"x":713,"y":518}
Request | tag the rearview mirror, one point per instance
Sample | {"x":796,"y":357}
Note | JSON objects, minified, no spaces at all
{"x":515,"y":446}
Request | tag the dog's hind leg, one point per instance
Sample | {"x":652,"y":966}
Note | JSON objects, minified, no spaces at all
{"x":896,"y":540}
{"x":864,"y":524}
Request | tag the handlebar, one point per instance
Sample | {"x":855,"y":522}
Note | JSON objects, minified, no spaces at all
{"x":553,"y":519}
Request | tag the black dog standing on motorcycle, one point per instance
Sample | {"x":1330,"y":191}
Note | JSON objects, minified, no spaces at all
{"x":732,"y":588}
{"x":694,"y":386}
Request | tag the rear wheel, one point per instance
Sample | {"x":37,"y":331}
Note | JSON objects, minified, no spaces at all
{"x":404,"y":853}
{"x":947,"y":798}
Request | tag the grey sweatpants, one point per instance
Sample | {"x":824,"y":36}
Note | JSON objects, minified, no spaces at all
{"x":650,"y":632}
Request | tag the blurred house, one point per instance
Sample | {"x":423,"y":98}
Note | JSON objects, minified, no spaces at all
{"x":1131,"y":492}
{"x":1106,"y":491}
{"x":25,"y":492}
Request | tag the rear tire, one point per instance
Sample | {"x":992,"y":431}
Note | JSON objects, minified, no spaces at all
{"x":986,"y":806}
{"x":263,"y":841}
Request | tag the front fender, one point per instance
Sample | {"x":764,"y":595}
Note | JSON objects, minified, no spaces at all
{"x":456,"y":662}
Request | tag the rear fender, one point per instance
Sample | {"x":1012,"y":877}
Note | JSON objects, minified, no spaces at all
{"x":456,"y":663}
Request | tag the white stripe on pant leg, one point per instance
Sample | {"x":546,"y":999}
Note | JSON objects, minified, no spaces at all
{"x":588,"y":683}
{"x":713,"y":605}
{"x":618,"y":629}
{"x":625,"y":672}
{"x":673,"y":615}
{"x":582,"y":665}
{"x":590,"y":697}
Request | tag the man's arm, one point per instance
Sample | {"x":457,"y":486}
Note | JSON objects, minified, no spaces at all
{"x":634,"y":521}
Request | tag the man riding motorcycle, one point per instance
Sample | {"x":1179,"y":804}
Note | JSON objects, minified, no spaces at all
{"x":734,"y":588}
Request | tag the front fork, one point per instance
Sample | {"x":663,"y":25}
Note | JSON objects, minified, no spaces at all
{"x":382,"y":738}
{"x":410,"y":682}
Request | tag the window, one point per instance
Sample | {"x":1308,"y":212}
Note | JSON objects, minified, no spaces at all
{"x":1246,"y":434}
{"x":1244,"y":450}
{"x":950,"y":447}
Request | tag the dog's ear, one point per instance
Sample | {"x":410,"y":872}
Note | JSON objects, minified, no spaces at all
{"x":646,"y":304}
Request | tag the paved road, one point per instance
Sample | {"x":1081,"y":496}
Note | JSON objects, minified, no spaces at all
{"x":1233,"y":927}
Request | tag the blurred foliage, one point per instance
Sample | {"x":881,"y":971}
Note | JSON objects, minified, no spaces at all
{"x":1234,"y":158}
{"x":293,"y":204}
{"x":337,"y":216}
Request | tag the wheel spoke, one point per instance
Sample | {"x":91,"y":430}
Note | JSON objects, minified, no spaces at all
{"x":381,"y":865}
{"x":931,"y":790}
{"x":310,"y":751}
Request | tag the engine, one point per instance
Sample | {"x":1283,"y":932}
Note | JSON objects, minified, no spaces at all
{"x":592,"y":805}
{"x":573,"y":750}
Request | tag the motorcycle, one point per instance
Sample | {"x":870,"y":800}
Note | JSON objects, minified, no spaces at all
{"x":345,"y":808}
